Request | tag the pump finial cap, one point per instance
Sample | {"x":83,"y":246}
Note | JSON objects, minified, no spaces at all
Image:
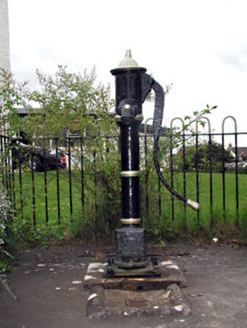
{"x":128,"y":61}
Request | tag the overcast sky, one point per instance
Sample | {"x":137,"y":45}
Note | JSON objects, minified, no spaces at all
{"x":199,"y":46}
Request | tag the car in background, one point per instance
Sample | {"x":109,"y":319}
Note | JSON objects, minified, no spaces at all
{"x":36,"y":156}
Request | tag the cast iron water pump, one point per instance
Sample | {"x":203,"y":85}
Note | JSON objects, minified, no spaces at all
{"x":132,"y":87}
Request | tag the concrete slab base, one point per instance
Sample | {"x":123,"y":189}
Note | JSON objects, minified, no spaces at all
{"x":133,"y":296}
{"x":112,"y":302}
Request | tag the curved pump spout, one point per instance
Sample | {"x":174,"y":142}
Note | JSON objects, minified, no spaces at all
{"x":148,"y":84}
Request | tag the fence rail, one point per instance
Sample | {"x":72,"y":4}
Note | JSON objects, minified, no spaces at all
{"x":49,"y":193}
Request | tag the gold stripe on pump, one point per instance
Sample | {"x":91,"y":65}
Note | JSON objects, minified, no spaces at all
{"x":129,"y":174}
{"x":131,"y":221}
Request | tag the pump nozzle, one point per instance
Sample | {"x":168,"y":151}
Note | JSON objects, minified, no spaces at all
{"x":194,"y":205}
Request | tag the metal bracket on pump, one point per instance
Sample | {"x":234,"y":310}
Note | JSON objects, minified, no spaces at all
{"x":132,"y":87}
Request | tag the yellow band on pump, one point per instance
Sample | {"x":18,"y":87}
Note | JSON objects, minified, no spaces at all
{"x":131,"y":221}
{"x":127,"y":174}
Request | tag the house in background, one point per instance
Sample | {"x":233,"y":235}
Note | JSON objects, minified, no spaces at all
{"x":241,"y":153}
{"x":143,"y":129}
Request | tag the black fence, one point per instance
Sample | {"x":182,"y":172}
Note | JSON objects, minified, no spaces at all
{"x":63,"y":179}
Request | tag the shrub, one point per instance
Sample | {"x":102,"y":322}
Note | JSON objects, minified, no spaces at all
{"x":5,"y":207}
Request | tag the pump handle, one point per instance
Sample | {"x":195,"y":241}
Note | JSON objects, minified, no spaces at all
{"x":149,"y":83}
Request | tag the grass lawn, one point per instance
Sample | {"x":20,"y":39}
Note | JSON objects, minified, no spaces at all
{"x":67,"y":194}
{"x":221,"y":209}
{"x":53,"y":199}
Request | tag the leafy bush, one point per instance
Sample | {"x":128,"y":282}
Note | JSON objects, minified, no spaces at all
{"x":205,"y":156}
{"x":5,"y":207}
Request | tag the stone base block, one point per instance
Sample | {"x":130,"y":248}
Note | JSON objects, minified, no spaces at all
{"x":112,"y":302}
{"x":135,"y":295}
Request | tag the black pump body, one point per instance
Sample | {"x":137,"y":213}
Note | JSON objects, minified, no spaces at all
{"x":132,"y":87}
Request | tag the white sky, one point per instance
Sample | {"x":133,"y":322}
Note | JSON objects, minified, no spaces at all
{"x":199,"y":46}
